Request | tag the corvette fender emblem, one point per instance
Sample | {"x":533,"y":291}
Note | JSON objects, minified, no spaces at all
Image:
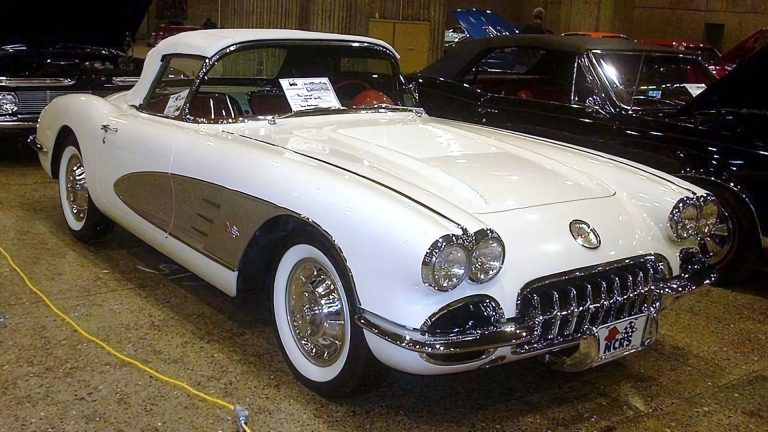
{"x":232,"y":230}
{"x":585,"y":234}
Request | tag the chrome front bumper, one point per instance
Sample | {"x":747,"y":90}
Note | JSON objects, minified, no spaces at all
{"x":508,"y":333}
{"x":530,"y":332}
{"x":35,"y":144}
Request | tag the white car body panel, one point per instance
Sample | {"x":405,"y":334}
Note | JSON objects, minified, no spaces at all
{"x":383,"y":186}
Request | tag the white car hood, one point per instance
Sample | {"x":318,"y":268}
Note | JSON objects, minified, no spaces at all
{"x":476,"y":173}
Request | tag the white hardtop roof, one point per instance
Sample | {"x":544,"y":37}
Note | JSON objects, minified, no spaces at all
{"x":207,"y":43}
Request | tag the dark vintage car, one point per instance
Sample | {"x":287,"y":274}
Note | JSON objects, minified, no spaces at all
{"x":647,"y":104}
{"x":741,"y":51}
{"x":61,"y":53}
{"x":164,"y":31}
{"x":705,"y":52}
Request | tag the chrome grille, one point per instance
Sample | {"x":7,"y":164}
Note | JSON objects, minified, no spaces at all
{"x":569,"y":305}
{"x":33,"y":101}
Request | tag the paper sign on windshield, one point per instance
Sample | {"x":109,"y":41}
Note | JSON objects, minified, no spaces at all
{"x":695,"y":89}
{"x":175,"y":102}
{"x":308,"y":93}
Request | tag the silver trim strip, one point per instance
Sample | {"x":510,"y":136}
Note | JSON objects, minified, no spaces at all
{"x":125,"y":81}
{"x":34,"y":82}
{"x":18,"y":124}
{"x":508,"y":333}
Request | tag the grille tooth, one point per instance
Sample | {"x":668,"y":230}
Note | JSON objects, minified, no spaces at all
{"x":639,"y":286}
{"x":555,"y":313}
{"x":573,"y":305}
{"x":614,"y":301}
{"x":570,"y":305}
{"x":628,"y":298}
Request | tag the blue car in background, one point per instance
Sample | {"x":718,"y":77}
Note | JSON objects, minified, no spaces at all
{"x":477,"y":24}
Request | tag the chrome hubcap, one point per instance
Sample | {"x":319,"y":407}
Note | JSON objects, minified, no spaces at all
{"x":720,"y":241}
{"x":77,"y":191}
{"x":316,"y":312}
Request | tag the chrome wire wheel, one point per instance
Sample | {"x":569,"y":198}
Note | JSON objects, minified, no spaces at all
{"x":76,"y":188}
{"x":316,"y":312}
{"x":313,"y":302}
{"x":85,"y":221}
{"x":721,"y":243}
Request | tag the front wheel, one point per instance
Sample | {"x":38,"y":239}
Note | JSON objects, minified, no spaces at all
{"x":312,"y":305}
{"x":732,"y":244}
{"x":84,"y":220}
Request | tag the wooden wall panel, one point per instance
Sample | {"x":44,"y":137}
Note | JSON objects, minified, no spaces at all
{"x":686,"y":19}
{"x":284,"y":14}
{"x":434,"y":11}
{"x":335,"y":16}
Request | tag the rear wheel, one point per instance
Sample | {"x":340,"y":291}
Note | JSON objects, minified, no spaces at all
{"x":84,"y":220}
{"x":313,"y":309}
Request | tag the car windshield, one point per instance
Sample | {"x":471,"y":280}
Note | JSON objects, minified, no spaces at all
{"x":644,"y":80}
{"x":258,"y":80}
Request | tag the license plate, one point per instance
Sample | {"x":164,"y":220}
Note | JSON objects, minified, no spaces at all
{"x":621,"y":337}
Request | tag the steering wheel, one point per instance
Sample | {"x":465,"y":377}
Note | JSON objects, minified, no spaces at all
{"x":349,"y":83}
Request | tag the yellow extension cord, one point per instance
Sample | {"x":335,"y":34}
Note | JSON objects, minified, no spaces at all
{"x":109,"y":349}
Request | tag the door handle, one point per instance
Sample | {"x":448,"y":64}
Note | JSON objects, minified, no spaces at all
{"x":108,"y":128}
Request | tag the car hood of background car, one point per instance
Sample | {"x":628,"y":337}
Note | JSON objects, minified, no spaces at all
{"x":477,"y":169}
{"x":745,"y":48}
{"x":64,"y":61}
{"x":483,"y":23}
{"x":35,"y":22}
{"x":744,"y":87}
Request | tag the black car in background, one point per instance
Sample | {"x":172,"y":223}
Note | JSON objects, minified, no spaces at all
{"x":48,"y":49}
{"x":647,"y":104}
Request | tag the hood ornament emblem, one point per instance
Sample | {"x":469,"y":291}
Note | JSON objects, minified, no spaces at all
{"x":584,"y":234}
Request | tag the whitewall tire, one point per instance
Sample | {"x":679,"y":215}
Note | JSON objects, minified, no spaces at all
{"x":313,"y":306}
{"x":84,"y":220}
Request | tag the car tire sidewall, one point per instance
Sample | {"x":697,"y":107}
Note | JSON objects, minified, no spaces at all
{"x":66,"y":155}
{"x":301,"y":365}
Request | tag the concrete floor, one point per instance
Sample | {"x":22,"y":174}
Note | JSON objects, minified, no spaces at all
{"x":708,"y":371}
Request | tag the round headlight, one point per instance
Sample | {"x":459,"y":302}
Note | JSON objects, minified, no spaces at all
{"x":8,"y":103}
{"x":708,"y":214}
{"x":684,"y":218}
{"x":450,"y":267}
{"x":486,"y":260}
{"x":445,"y":264}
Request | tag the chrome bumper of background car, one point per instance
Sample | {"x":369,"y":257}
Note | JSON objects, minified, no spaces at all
{"x":557,"y":312}
{"x":18,"y":124}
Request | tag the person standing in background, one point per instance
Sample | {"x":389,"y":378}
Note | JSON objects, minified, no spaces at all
{"x":209,"y":24}
{"x":537,"y":25}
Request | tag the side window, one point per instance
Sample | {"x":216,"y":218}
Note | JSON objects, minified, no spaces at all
{"x":525,"y":73}
{"x":585,"y":91}
{"x":242,"y":83}
{"x":170,"y":91}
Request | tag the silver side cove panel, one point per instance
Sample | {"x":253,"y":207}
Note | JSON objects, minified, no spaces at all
{"x":214,"y":220}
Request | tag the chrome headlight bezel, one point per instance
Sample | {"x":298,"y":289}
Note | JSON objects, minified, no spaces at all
{"x":709,"y":214}
{"x":437,"y":251}
{"x":9,"y":102}
{"x":469,"y":244}
{"x":483,"y":238}
{"x":693,"y":217}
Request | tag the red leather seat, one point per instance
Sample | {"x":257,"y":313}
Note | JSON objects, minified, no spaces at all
{"x":268,"y":103}
{"x":215,"y":107}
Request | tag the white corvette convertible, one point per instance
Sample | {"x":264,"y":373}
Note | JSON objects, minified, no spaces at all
{"x":295,"y":162}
